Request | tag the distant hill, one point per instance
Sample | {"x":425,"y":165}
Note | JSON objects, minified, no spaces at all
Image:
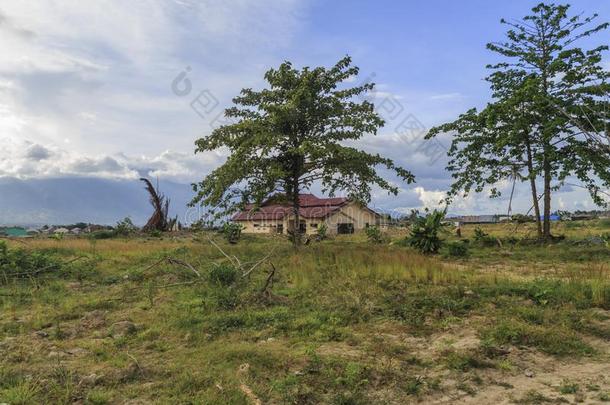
{"x":70,"y":200}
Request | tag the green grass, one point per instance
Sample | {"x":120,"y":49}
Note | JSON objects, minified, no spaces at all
{"x":334,"y":327}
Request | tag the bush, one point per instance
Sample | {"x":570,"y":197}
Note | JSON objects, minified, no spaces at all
{"x":322,"y":232}
{"x":223,"y":274}
{"x":424,"y":232}
{"x":155,"y":233}
{"x":458,"y":249}
{"x":105,"y":234}
{"x":21,"y":263}
{"x":479,"y":234}
{"x":606,"y":238}
{"x":125,"y":227}
{"x":374,"y":235}
{"x":231,"y":232}
{"x":522,"y":219}
{"x":488,"y":241}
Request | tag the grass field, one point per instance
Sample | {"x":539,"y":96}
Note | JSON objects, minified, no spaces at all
{"x":341,"y":321}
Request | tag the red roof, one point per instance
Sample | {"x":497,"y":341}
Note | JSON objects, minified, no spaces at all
{"x":310,"y":207}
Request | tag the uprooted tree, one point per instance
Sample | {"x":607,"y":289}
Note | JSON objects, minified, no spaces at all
{"x":291,"y":135}
{"x":159,"y":220}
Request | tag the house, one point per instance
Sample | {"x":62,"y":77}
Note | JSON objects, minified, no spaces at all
{"x":14,"y":232}
{"x":61,"y":231}
{"x":32,"y":231}
{"x":340,"y":215}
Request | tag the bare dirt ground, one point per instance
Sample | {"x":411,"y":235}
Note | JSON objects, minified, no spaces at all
{"x":525,"y":375}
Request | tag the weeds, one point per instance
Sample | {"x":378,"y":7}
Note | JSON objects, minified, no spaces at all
{"x":338,"y":327}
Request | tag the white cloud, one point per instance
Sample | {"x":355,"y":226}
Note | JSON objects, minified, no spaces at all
{"x":97,"y":75}
{"x":447,"y":96}
{"x":25,"y":159}
{"x":430,"y":198}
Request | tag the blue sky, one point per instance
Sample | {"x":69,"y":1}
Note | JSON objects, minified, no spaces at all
{"x":85,"y":87}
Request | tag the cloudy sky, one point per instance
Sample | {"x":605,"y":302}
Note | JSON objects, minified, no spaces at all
{"x":97,"y":89}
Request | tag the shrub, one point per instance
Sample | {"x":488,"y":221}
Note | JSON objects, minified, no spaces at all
{"x":322,"y":232}
{"x":374,"y":235}
{"x":155,"y":233}
{"x":424,"y":232}
{"x":21,"y":263}
{"x":223,"y":274}
{"x":457,"y":249}
{"x":104,"y":234}
{"x":488,"y":241}
{"x":522,"y":219}
{"x":232,"y":232}
{"x":606,"y":238}
{"x":125,"y":227}
{"x":479,"y":235}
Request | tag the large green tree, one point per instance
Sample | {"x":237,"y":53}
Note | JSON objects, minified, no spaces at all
{"x":548,"y":100}
{"x":293,"y":134}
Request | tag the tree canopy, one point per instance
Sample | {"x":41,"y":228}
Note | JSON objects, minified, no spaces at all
{"x":292,"y":134}
{"x":549,"y":99}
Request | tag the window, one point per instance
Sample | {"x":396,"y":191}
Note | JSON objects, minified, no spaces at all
{"x":256,"y":225}
{"x":345,"y":228}
{"x":366,"y":225}
{"x":314,"y":226}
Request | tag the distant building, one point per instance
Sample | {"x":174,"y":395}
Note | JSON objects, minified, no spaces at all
{"x":477,"y":219}
{"x":32,"y":231}
{"x":582,"y":217}
{"x":340,"y":215}
{"x":14,"y":232}
{"x":62,"y":231}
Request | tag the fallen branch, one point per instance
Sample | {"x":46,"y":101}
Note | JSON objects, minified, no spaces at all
{"x":179,"y":284}
{"x":235,"y":262}
{"x":269,"y":281}
{"x":183,"y":264}
{"x":238,"y":265}
{"x":155,"y":264}
{"x":247,"y":273}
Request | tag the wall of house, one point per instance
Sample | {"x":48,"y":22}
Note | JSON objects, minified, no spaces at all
{"x":360,"y":216}
{"x":334,"y":220}
{"x":312,"y":226}
{"x":260,"y":227}
{"x":350,"y":213}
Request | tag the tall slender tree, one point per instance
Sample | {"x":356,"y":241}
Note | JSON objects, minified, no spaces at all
{"x":292,"y":134}
{"x":543,"y":87}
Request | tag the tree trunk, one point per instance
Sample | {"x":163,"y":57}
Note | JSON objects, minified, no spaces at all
{"x":296,"y":230}
{"x":547,"y":203}
{"x":532,"y":177}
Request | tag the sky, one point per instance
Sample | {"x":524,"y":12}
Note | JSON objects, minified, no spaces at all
{"x":98,"y":88}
